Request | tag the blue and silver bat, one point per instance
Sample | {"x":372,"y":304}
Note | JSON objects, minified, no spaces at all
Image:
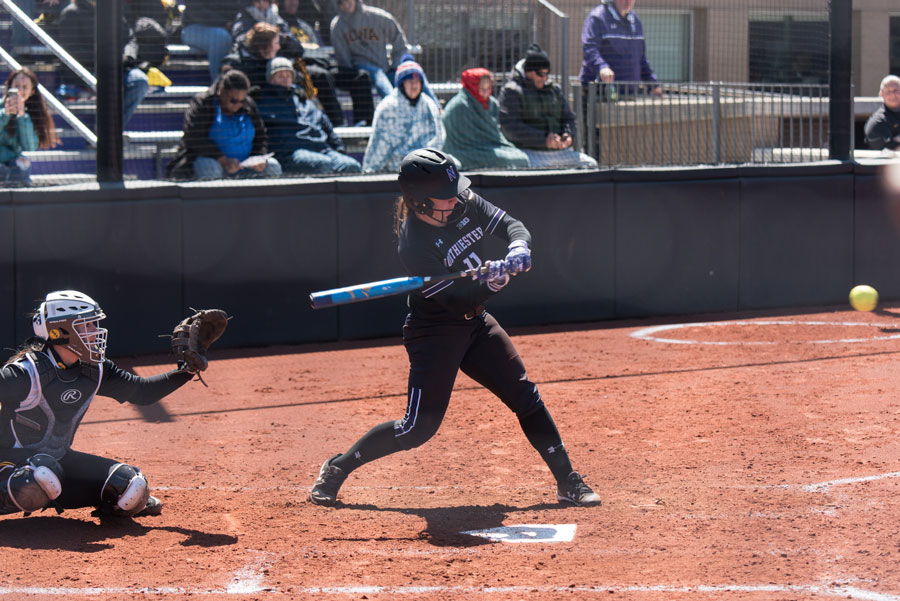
{"x":370,"y":290}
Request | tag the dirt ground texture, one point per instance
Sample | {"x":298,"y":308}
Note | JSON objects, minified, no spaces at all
{"x":742,"y":457}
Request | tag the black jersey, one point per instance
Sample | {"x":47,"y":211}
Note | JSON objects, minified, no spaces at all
{"x":431,"y":250}
{"x":41,"y":405}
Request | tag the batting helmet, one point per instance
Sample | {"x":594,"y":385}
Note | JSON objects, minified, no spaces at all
{"x":70,"y":318}
{"x":429,"y":173}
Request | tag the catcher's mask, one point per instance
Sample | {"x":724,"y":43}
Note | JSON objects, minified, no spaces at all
{"x":429,"y":173}
{"x":71,"y":319}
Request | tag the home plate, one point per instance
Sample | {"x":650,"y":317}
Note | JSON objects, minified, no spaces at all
{"x":528,"y":533}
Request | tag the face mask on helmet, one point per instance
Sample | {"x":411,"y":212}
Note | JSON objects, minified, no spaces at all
{"x":428,"y":173}
{"x":71,"y":319}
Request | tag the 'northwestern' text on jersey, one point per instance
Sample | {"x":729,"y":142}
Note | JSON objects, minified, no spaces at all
{"x":428,"y":250}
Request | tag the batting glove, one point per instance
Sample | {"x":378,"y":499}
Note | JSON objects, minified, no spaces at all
{"x":518,"y":259}
{"x":495,"y":275}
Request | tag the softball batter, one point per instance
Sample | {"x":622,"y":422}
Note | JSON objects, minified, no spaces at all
{"x":46,"y":388}
{"x":441,"y":226}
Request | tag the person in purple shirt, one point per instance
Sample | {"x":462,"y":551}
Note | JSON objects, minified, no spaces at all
{"x":613,"y":47}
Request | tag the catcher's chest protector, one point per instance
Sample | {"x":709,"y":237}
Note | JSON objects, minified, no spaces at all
{"x":48,"y":418}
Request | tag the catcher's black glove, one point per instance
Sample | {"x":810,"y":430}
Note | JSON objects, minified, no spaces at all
{"x":193,"y":337}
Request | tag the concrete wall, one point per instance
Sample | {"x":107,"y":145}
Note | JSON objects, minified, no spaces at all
{"x":609,"y":244}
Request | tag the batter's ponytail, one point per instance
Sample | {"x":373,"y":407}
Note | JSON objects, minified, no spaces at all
{"x":401,"y":212}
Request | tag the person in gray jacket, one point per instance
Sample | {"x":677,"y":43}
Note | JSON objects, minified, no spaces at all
{"x":360,"y":35}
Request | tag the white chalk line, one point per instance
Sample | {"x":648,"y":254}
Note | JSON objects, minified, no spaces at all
{"x":833,"y":590}
{"x":249,"y":579}
{"x":814,"y":487}
{"x":825,"y":486}
{"x":649,"y":332}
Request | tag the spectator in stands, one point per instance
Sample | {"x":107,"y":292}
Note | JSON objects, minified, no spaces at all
{"x":300,"y":134}
{"x":222,"y":128}
{"x":471,"y":120}
{"x":536,"y":117}
{"x":76,"y":35}
{"x":883,"y":127}
{"x":264,"y":11}
{"x":263,"y":42}
{"x":316,"y":14}
{"x":300,"y":15}
{"x":360,"y":35}
{"x":25,"y":124}
{"x":405,"y":120}
{"x":613,"y":48}
{"x":206,"y":26}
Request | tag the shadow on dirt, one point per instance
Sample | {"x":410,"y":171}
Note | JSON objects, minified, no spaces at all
{"x":67,"y":534}
{"x":445,"y":525}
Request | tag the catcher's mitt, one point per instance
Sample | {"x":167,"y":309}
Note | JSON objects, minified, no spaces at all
{"x":194,"y":335}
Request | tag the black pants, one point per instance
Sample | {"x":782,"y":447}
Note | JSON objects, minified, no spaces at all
{"x":482,"y":349}
{"x":358,"y":83}
{"x":324,"y":82}
{"x":84,"y":475}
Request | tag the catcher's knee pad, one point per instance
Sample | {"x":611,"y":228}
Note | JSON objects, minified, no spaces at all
{"x":32,"y":486}
{"x":125,"y":491}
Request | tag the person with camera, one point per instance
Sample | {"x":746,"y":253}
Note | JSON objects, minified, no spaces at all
{"x":25,"y":125}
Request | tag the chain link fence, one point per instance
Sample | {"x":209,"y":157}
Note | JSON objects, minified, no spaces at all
{"x":776,"y":52}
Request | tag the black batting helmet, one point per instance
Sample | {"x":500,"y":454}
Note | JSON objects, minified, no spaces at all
{"x":429,"y":173}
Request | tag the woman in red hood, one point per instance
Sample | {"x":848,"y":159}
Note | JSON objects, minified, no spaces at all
{"x":471,"y":121}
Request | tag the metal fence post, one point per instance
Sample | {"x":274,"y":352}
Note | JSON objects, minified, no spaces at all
{"x":716,"y":123}
{"x":841,"y":102}
{"x":109,"y":34}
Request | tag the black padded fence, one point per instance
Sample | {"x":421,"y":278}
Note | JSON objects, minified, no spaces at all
{"x":607,"y":244}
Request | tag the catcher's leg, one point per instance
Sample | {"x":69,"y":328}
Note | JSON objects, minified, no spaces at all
{"x":114,"y":488}
{"x":31,"y":486}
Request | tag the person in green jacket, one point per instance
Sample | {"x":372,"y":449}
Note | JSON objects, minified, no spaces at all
{"x":471,"y":121}
{"x":25,"y":124}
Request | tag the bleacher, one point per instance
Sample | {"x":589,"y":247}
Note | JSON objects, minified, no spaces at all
{"x":153,"y":133}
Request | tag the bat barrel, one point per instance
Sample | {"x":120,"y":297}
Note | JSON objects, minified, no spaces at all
{"x":363,"y":292}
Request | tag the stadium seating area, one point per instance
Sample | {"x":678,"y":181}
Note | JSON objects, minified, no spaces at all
{"x":153,"y":132}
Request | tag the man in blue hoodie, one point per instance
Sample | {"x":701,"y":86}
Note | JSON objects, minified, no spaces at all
{"x":613,"y":47}
{"x":300,"y":134}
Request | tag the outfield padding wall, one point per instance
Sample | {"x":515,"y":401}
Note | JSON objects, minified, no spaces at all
{"x":608,"y":244}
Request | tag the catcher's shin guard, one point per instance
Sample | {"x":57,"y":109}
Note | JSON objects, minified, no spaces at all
{"x":125,"y":491}
{"x":30,"y":487}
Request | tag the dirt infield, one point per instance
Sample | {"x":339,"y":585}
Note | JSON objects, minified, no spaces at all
{"x":755,"y":457}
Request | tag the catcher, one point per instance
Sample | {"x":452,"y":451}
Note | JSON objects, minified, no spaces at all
{"x":46,"y":388}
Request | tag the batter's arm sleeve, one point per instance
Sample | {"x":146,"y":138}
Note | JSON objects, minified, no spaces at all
{"x":498,"y":222}
{"x":127,"y":387}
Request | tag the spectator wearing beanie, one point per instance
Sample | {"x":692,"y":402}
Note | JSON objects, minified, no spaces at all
{"x":405,"y":120}
{"x":471,"y":120}
{"x":300,"y":134}
{"x":536,"y":117}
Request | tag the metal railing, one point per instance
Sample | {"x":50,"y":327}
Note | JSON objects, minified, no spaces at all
{"x":19,"y":15}
{"x":459,"y":34}
{"x":703,"y":123}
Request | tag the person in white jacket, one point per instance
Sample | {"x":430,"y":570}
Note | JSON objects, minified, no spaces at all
{"x":406,"y":119}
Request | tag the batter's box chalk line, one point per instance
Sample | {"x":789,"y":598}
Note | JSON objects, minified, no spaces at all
{"x":826,"y":486}
{"x":651,"y":332}
{"x":836,"y":590}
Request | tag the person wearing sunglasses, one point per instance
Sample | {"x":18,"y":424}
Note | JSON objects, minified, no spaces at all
{"x":536,"y":117}
{"x":883,"y":127}
{"x":222,"y":129}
